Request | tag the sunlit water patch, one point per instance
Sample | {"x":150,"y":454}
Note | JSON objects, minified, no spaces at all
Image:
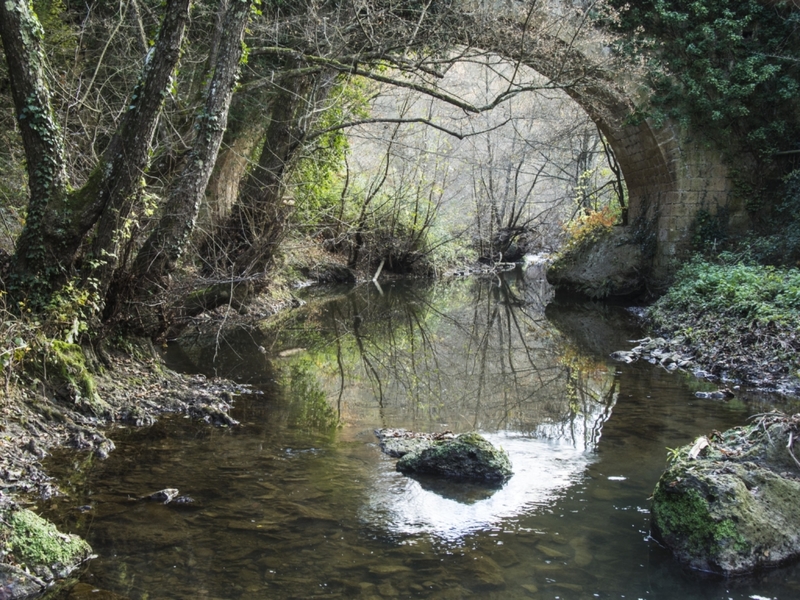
{"x":453,"y":510}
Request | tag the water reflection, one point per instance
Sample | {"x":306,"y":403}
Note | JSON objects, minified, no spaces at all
{"x":451,"y":511}
{"x":299,"y":501}
{"x":468,"y":355}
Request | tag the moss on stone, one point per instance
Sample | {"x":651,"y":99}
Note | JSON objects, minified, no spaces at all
{"x":733,"y":508}
{"x":33,"y":541}
{"x":468,"y":456}
{"x":685,"y":516}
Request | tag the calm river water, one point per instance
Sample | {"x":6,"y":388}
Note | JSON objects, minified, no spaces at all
{"x":299,"y":502}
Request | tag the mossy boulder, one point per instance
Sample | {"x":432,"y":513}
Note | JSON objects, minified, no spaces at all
{"x":612,"y":264}
{"x":729,"y":503}
{"x":35,"y":553}
{"x":468,"y":456}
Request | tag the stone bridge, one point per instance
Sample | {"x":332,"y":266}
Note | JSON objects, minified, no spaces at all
{"x":669,"y":172}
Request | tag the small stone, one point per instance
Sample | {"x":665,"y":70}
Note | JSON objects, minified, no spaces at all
{"x":626,"y":357}
{"x":388,"y":569}
{"x":583,"y":556}
{"x":387,"y":590}
{"x":572,"y":587}
{"x":164,"y":496}
{"x":486,"y":571}
{"x":550,"y":552}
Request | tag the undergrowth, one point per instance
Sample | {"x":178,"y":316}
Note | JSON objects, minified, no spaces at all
{"x":739,"y":316}
{"x":44,"y":345}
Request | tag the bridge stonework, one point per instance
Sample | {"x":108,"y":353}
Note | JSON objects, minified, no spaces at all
{"x":670,"y":173}
{"x":670,"y":177}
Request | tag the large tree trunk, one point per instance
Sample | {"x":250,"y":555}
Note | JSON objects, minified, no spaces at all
{"x":246,"y":242}
{"x":159,"y":254}
{"x":128,"y":155}
{"x":58,"y":220}
{"x":41,"y":138}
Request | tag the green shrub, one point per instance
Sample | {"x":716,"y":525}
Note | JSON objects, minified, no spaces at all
{"x":747,"y":291}
{"x":778,"y":240}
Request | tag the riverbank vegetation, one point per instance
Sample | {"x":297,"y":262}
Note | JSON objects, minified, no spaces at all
{"x":740,"y":319}
{"x":735,"y":306}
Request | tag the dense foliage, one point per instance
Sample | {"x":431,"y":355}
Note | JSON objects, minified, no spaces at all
{"x":737,"y":315}
{"x":779,"y":242}
{"x":728,"y":66}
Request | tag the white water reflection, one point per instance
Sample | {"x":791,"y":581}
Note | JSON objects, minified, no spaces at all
{"x":450,"y":511}
{"x":583,"y":428}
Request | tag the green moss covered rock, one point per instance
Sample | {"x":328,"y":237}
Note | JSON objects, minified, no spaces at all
{"x":33,"y":544}
{"x":468,"y":456}
{"x":734,"y":507}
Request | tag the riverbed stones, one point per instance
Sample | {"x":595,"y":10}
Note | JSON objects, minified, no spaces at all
{"x":656,"y":351}
{"x":485,"y":572}
{"x":734,"y":508}
{"x":468,"y":456}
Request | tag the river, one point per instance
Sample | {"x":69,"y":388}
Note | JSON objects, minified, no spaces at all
{"x":299,"y":501}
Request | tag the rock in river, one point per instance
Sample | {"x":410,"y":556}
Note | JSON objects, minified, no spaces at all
{"x":35,"y":553}
{"x":468,"y":456}
{"x":729,"y":502}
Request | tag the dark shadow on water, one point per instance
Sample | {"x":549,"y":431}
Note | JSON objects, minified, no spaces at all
{"x":464,"y":492}
{"x":595,"y":327}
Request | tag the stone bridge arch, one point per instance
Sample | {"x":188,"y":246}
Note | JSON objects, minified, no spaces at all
{"x":670,"y":173}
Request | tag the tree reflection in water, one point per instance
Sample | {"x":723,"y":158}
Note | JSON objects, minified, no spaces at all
{"x":460,"y":355}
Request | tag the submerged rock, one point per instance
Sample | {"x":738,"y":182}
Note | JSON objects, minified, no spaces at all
{"x":729,"y":502}
{"x":467,"y":456}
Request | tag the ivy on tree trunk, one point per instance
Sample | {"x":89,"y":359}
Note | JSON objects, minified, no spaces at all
{"x":58,"y":219}
{"x":160,"y":253}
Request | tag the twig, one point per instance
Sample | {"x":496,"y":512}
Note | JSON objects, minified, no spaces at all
{"x":789,"y":448}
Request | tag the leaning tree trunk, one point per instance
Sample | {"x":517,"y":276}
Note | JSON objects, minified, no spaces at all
{"x":128,"y":155}
{"x":159,"y":254}
{"x":245,"y":242}
{"x":58,"y":220}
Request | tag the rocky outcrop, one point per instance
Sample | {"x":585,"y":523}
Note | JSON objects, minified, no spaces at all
{"x":468,"y":456}
{"x":612,"y":265}
{"x":728,"y":503}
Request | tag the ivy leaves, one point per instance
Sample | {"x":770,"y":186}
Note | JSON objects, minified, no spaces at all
{"x":728,"y":66}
